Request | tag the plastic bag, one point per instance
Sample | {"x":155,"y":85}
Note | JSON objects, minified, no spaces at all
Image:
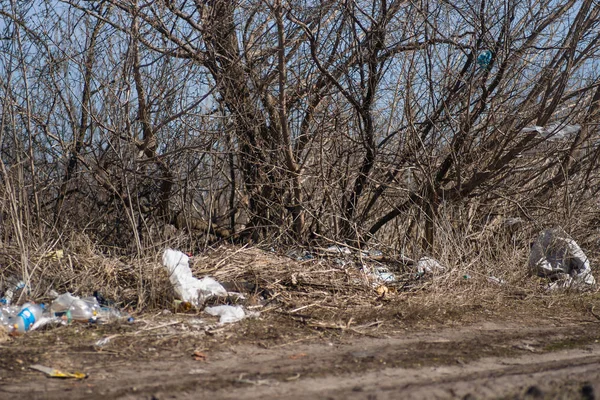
{"x":429,"y":265}
{"x":187,"y":287}
{"x":555,"y":254}
{"x":228,"y":314}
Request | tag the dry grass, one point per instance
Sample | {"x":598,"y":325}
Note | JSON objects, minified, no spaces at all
{"x":329,"y":291}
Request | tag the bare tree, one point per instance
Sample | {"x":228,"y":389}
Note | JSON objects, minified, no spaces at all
{"x":295,"y":121}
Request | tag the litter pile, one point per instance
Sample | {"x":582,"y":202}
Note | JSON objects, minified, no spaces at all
{"x":319,"y":282}
{"x":555,"y":255}
{"x":63,"y":310}
{"x":195,"y":292}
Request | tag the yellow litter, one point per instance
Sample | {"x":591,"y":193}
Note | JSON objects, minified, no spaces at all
{"x":55,"y":373}
{"x":56,"y":255}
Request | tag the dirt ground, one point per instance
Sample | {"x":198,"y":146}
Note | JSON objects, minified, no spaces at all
{"x":188,"y":356}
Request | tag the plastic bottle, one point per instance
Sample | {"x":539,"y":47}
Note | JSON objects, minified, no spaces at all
{"x":60,"y":306}
{"x":7,"y":313}
{"x":71,"y":307}
{"x":111,"y":314}
{"x":4,"y":317}
{"x":10,"y":292}
{"x":84,"y":309}
{"x":29,"y":314}
{"x":62,"y":303}
{"x":93,"y":305}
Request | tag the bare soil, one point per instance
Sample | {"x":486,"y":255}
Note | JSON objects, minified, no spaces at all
{"x":154,"y":359}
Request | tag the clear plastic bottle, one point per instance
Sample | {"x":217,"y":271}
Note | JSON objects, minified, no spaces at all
{"x":13,"y":289}
{"x":60,"y":307}
{"x":7,"y":313}
{"x":29,"y":314}
{"x":110,"y":314}
{"x":72,"y":307}
{"x":82,"y":310}
{"x":62,"y":303}
{"x":93,"y":306}
{"x":4,"y":317}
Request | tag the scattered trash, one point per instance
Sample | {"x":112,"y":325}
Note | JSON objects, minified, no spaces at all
{"x":72,"y":308}
{"x":378,"y":275}
{"x":187,"y":287}
{"x":375,"y":254}
{"x":499,"y":281}
{"x":383,"y":274}
{"x":196,"y":371}
{"x":55,"y":373}
{"x":63,"y":310}
{"x":512,"y":225}
{"x":554,"y":132}
{"x":46,"y":320}
{"x":56,"y":255}
{"x":338,"y":249}
{"x":557,"y":256}
{"x":484,"y":58}
{"x":429,"y":265}
{"x":229,"y":314}
{"x":28,"y":315}
{"x":382,"y":290}
{"x":525,"y":346}
{"x":182,"y":306}
{"x":107,"y":315}
{"x":104,"y":341}
{"x":102,"y":300}
{"x":466,"y":276}
{"x":14,"y":287}
{"x":562,"y":281}
{"x":7,"y":314}
{"x":340,"y":262}
{"x":300,"y":255}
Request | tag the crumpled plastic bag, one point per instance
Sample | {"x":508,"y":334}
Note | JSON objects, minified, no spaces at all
{"x":187,"y":287}
{"x":378,"y":275}
{"x":429,"y":265}
{"x":338,"y":249}
{"x":554,"y":132}
{"x":556,"y":255}
{"x":229,"y":314}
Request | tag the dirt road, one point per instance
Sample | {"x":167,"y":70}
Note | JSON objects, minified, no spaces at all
{"x":480,"y":361}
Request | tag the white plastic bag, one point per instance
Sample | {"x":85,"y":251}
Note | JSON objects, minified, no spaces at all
{"x":429,"y":265}
{"x":187,"y":287}
{"x":555,"y":254}
{"x":228,"y":314}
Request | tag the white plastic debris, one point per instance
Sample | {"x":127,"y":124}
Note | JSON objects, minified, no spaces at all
{"x":46,"y":321}
{"x":562,"y":281}
{"x":556,"y":255}
{"x":338,"y":249}
{"x":555,"y":131}
{"x":187,"y":287}
{"x":104,"y":341}
{"x":429,"y":265}
{"x":372,"y":254}
{"x":493,"y":279}
{"x":229,"y":314}
{"x":378,"y":275}
{"x":383,"y":274}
